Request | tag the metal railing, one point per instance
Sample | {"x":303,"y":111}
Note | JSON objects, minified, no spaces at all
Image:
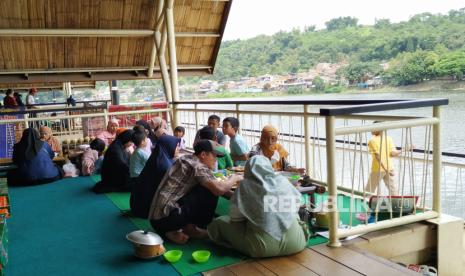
{"x":310,"y":138}
{"x":76,"y":124}
{"x":308,"y":131}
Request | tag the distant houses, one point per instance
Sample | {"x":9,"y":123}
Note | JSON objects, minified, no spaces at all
{"x":302,"y":81}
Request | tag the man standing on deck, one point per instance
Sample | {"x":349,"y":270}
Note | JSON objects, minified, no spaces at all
{"x":382,"y":150}
{"x":185,"y":201}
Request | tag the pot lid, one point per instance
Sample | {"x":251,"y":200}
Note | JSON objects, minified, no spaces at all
{"x":144,"y":237}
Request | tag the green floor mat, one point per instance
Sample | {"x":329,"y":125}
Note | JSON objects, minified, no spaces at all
{"x":63,"y":228}
{"x":220,"y":256}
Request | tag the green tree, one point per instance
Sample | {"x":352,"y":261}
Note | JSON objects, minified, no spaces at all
{"x":411,"y":68}
{"x":451,"y":64}
{"x":319,"y":83}
{"x":138,"y":90}
{"x":382,"y":23}
{"x":341,"y":22}
{"x":357,"y":72}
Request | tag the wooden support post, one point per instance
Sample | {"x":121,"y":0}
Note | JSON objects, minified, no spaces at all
{"x":437,"y":160}
{"x":153,"y":54}
{"x":331,"y":179}
{"x":172,"y":55}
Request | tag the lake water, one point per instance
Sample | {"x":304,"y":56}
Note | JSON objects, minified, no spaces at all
{"x":453,"y":140}
{"x":453,"y":115}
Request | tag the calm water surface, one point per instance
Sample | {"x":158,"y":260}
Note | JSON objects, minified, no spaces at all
{"x":453,"y":115}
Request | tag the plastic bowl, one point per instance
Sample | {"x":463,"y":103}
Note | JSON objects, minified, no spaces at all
{"x":173,"y":256}
{"x":201,"y":256}
{"x":294,"y":179}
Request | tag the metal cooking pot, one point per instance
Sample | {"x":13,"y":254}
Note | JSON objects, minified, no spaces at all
{"x":146,"y":244}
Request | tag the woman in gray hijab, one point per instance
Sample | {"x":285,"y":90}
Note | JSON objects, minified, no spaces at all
{"x":263,"y":220}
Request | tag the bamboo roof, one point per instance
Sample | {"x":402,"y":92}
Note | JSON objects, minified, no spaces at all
{"x":45,"y":41}
{"x":46,"y":85}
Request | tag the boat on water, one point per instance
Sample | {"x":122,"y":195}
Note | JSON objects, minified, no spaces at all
{"x":62,"y":228}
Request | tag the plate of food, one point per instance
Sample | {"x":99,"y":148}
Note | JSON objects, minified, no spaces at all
{"x":237,"y":169}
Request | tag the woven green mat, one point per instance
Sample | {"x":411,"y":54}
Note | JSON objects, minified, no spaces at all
{"x":220,"y":255}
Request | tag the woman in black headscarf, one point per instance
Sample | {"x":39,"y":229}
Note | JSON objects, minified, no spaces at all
{"x":115,"y":167}
{"x":34,"y":160}
{"x":160,"y":161}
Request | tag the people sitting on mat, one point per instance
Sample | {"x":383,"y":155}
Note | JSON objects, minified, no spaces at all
{"x":33,"y":157}
{"x":92,"y":157}
{"x":270,"y":148}
{"x":263,"y":220}
{"x":223,"y":162}
{"x":46,"y":135}
{"x":214,"y":121}
{"x":151,"y":139}
{"x":109,"y":134}
{"x":139,"y":157}
{"x":185,"y":201}
{"x":115,"y":167}
{"x":179,"y":132}
{"x":237,"y":145}
{"x":145,"y":186}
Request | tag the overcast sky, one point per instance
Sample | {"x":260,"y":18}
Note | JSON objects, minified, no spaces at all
{"x":249,"y":18}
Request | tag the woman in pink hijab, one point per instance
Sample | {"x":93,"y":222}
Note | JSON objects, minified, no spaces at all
{"x":109,"y":135}
{"x":46,"y":135}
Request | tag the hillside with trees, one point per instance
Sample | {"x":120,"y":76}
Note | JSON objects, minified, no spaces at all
{"x":427,"y":46}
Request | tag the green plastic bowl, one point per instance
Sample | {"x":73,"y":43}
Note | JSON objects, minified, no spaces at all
{"x":173,"y":256}
{"x":201,"y":256}
{"x":294,"y":179}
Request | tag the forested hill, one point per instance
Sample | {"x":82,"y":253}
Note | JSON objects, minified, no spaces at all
{"x":426,"y":46}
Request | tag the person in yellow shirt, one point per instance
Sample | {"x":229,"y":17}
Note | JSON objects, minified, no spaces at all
{"x":382,"y":150}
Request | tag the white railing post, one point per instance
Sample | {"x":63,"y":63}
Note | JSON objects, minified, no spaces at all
{"x":238,"y":117}
{"x":331,"y":178}
{"x":196,"y":114}
{"x":175,"y":119}
{"x":308,"y":161}
{"x":437,"y":160}
{"x":26,"y":120}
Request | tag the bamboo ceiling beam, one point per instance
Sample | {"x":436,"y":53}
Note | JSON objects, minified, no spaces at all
{"x":95,"y":32}
{"x":75,"y":32}
{"x":98,"y":76}
{"x":191,"y":34}
{"x":30,"y":72}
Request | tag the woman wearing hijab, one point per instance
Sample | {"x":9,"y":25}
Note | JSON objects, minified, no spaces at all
{"x":157,"y":165}
{"x":258,"y":224}
{"x":270,"y":148}
{"x":109,"y":134}
{"x":33,"y":158}
{"x":115,"y":167}
{"x":46,"y":135}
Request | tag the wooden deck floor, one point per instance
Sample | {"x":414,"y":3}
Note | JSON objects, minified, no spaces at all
{"x":318,"y":260}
